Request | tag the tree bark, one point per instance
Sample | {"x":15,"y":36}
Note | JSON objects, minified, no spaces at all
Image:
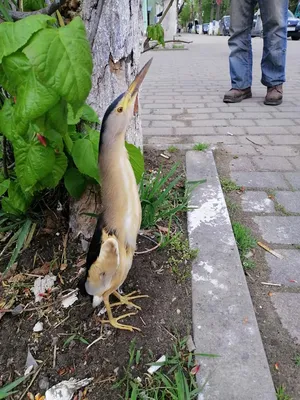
{"x":200,"y":13}
{"x":212,"y":10}
{"x":115,"y":31}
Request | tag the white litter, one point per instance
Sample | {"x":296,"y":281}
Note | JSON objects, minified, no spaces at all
{"x":66,"y":389}
{"x":229,"y":133}
{"x":38,"y":327}
{"x":30,"y":363}
{"x":41,"y":285}
{"x":70,"y":299}
{"x":155,"y":368}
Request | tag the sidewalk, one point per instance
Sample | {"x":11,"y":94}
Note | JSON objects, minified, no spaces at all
{"x":182,"y":105}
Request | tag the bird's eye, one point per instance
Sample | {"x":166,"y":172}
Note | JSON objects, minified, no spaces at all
{"x":103,"y":274}
{"x":120,"y":109}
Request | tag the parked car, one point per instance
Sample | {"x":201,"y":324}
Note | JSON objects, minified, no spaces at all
{"x":225,"y":25}
{"x":205,"y":28}
{"x":293,"y":26}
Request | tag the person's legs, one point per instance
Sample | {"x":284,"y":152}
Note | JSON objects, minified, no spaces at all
{"x":274,"y":14}
{"x":240,"y":59}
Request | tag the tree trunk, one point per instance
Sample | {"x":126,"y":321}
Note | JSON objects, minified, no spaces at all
{"x":115,"y":31}
{"x":218,"y":12}
{"x":212,"y":11}
{"x":200,"y":13}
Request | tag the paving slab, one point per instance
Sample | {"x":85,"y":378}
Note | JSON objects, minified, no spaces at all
{"x":288,"y":310}
{"x":224,"y":322}
{"x":272,"y":163}
{"x":289,"y":200}
{"x":261,"y":180}
{"x":294,"y":179}
{"x":257,"y":202}
{"x":279,"y":230}
{"x":287,"y":270}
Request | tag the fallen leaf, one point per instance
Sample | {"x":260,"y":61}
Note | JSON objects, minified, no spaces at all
{"x":43,"y":270}
{"x":245,"y":320}
{"x":195,"y":369}
{"x":293,"y":281}
{"x":162,"y":229}
{"x":17,"y":278}
{"x":30,"y":396}
{"x":63,"y":266}
{"x":80,"y":263}
{"x":276,"y":366}
{"x":270,"y":294}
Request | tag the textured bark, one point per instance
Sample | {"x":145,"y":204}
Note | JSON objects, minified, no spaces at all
{"x":115,"y":32}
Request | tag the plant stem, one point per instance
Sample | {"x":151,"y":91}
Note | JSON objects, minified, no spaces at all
{"x":166,"y":41}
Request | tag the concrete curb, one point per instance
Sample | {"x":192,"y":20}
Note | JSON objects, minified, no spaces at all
{"x":224,"y":321}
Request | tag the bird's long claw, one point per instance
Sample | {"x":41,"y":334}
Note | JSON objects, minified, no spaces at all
{"x":126,"y":299}
{"x":114,"y":322}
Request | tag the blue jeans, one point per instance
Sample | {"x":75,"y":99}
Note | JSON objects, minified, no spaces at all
{"x":274,"y":15}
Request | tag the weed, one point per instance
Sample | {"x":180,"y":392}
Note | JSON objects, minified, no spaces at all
{"x":281,"y":394}
{"x":280,"y":208}
{"x":232,"y":206}
{"x":297,"y":246}
{"x":75,"y":337}
{"x":161,"y":198}
{"x":297,"y":360}
{"x":172,"y":149}
{"x":201,"y":146}
{"x":7,"y":390}
{"x":180,"y":253}
{"x":228,"y":185}
{"x":176,"y":378}
{"x":245,"y":242}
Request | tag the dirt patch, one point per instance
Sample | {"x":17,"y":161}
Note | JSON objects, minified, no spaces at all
{"x":166,"y":312}
{"x":279,"y":346}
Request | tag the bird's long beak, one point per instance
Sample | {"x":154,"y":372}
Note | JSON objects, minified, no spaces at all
{"x":133,"y":89}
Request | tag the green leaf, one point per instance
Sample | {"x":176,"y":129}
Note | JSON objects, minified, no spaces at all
{"x":7,"y":124}
{"x":73,"y":118}
{"x":85,"y":158}
{"x":75,"y":182}
{"x":137,"y":161}
{"x":62,"y":60}
{"x":89,"y":114}
{"x":4,"y":185}
{"x":17,"y":201}
{"x":33,"y":162}
{"x":5,"y":391}
{"x":69,"y":340}
{"x":83,"y":340}
{"x":56,"y":118}
{"x":58,"y":170}
{"x":4,"y":12}
{"x":54,"y":139}
{"x":21,"y":239}
{"x":33,"y":5}
{"x":15,"y":35}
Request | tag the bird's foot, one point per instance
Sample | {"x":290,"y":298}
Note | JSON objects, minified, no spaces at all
{"x":114,"y":322}
{"x":126,"y":299}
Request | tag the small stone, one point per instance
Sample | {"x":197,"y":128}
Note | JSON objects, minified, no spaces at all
{"x":178,"y":311}
{"x":249,"y":254}
{"x":38,"y":327}
{"x":190,"y":344}
{"x":44,"y":383}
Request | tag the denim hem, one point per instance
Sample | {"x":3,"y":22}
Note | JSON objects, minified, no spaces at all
{"x":276,"y":83}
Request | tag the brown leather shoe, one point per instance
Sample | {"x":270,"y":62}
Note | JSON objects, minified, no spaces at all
{"x":274,"y":96}
{"x":237,"y":95}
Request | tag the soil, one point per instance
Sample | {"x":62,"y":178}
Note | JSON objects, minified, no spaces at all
{"x":279,"y":346}
{"x":165,"y":313}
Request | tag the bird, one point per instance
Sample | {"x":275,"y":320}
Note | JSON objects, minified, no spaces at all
{"x":113,"y":244}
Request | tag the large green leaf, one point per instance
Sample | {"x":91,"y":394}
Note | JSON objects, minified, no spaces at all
{"x":75,"y":182}
{"x":17,"y":201}
{"x":89,"y":114}
{"x":4,"y":185}
{"x":54,"y":139}
{"x":56,"y":118}
{"x":15,"y":35}
{"x":33,"y":5}
{"x":137,"y":161}
{"x":62,"y":60}
{"x":33,"y":162}
{"x":33,"y":97}
{"x":7,"y":124}
{"x":60,"y":166}
{"x":85,"y":158}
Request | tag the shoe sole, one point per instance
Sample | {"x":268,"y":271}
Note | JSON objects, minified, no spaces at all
{"x":237,"y":99}
{"x":272,"y":103}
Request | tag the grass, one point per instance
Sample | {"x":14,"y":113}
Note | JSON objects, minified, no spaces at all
{"x":280,"y":208}
{"x":200,"y":146}
{"x":176,"y":379}
{"x":232,"y":206}
{"x":163,"y":197}
{"x":228,"y":185}
{"x":172,"y":149}
{"x":8,"y":390}
{"x":281,"y":394}
{"x":245,"y":242}
{"x":297,"y":360}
